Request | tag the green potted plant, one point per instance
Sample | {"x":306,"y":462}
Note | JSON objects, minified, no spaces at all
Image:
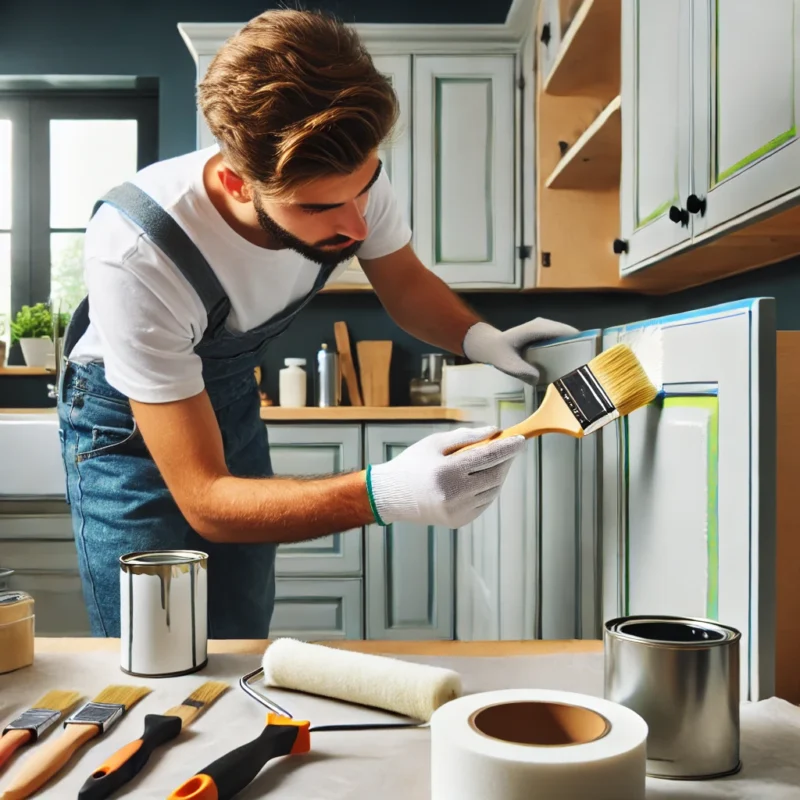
{"x":33,"y":328}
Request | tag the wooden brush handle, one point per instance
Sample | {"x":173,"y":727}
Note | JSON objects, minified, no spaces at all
{"x":10,"y":742}
{"x":48,"y":760}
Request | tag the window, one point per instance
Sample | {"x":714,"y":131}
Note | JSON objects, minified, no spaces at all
{"x":59,"y":152}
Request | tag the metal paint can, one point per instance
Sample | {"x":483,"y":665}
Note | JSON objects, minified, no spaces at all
{"x":163,"y":612}
{"x":681,"y":674}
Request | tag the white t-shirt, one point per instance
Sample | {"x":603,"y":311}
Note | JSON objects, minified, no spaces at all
{"x":146,"y":318}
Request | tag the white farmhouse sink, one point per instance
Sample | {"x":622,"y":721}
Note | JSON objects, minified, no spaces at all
{"x":30,"y":455}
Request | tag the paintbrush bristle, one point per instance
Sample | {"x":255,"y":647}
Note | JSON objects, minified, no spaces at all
{"x":623,"y":378}
{"x":197,"y":701}
{"x":122,"y":695}
{"x":58,"y":700}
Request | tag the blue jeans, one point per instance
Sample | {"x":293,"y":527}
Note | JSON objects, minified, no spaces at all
{"x":120,"y":503}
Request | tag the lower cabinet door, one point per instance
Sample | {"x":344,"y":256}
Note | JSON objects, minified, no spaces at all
{"x":410,"y":569}
{"x":48,"y":571}
{"x":318,"y":610}
{"x":312,"y":450}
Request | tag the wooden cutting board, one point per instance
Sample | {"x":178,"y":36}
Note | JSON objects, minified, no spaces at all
{"x":346,"y":364}
{"x":374,"y":361}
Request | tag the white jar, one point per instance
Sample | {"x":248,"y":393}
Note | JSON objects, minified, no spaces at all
{"x":292,"y":383}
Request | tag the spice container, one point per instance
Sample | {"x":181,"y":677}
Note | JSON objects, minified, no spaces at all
{"x":292,"y":383}
{"x":16,"y":630}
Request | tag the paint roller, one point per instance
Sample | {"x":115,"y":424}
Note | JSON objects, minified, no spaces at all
{"x":404,"y":688}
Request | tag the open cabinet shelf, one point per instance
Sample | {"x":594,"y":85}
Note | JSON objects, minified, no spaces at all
{"x":593,"y":162}
{"x":588,"y":60}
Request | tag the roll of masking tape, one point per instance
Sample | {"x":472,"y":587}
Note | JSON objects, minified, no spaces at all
{"x":537,"y":744}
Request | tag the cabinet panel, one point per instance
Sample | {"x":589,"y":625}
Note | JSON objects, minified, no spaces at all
{"x":464,"y":134}
{"x":565,"y":516}
{"x":314,"y":450}
{"x":689,"y":483}
{"x":40,"y":519}
{"x":48,"y":571}
{"x":656,"y":134}
{"x":317,"y":610}
{"x":409,"y":581}
{"x":746,"y":144}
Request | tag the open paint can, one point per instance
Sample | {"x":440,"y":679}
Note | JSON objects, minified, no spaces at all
{"x":164,"y":612}
{"x":682,"y":676}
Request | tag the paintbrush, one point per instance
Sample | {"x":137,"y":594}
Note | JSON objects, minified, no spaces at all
{"x":29,"y":726}
{"x":129,"y":760}
{"x":611,"y":385}
{"x":91,"y":720}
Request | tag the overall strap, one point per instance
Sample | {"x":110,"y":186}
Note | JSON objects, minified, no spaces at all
{"x":170,"y":238}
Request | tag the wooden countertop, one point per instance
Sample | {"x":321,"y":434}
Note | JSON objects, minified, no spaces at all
{"x":6,"y":370}
{"x":362,"y":414}
{"x":416,"y":647}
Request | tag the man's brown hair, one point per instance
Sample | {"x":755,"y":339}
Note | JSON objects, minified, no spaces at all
{"x":294,"y":96}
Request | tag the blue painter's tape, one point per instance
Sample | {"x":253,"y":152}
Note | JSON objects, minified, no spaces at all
{"x":743,"y":306}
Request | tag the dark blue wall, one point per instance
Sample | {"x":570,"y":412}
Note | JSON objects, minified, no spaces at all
{"x":86,"y":37}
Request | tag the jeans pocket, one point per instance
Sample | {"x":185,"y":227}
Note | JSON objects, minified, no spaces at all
{"x":62,"y":440}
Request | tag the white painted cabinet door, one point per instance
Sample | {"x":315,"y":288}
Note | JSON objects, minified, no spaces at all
{"x":464,"y":144}
{"x":688,"y":483}
{"x":204,"y":137}
{"x":318,"y":610}
{"x":549,"y":35}
{"x":566,"y":540}
{"x":747,"y":91}
{"x":395,"y":155}
{"x":656,"y":132}
{"x":409,"y":580}
{"x":310,"y":450}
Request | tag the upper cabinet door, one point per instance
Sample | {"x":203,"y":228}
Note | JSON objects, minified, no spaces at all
{"x":688,"y":483}
{"x":564,"y":521}
{"x":656,"y":134}
{"x":464,"y":169}
{"x":747,"y":89}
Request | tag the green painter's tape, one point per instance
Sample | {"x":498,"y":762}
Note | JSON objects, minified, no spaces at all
{"x":771,"y":145}
{"x":511,"y":405}
{"x":709,"y":403}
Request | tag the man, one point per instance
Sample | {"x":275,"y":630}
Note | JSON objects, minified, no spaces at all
{"x":192,"y":268}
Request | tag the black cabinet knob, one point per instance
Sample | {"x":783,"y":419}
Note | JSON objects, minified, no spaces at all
{"x":620,"y":246}
{"x":545,"y":35}
{"x":680,"y":216}
{"x":695,"y":205}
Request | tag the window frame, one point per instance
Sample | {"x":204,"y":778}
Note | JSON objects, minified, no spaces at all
{"x":30,"y":114}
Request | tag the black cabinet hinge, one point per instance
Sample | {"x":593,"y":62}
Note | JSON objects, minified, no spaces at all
{"x":521,"y":82}
{"x":545,"y":259}
{"x":524,"y":251}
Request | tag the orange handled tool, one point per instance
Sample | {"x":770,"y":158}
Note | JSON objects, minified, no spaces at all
{"x":227,"y":776}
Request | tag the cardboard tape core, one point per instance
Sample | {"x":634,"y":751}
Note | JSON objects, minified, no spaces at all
{"x":540,"y":724}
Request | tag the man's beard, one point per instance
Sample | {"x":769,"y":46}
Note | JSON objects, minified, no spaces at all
{"x":325,"y":258}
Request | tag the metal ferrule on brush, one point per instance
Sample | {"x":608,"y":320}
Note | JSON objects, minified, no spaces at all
{"x":104,"y":715}
{"x":587,"y":399}
{"x":35,"y":720}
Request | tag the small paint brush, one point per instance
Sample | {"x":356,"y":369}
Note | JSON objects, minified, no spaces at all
{"x":88,"y":722}
{"x":612,"y":385}
{"x":29,"y":726}
{"x":129,"y":760}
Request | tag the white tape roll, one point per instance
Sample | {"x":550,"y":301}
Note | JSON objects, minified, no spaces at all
{"x":531,"y":744}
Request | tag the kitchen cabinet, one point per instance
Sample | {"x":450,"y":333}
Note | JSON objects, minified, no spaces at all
{"x":409,"y":568}
{"x":656,"y":128}
{"x":710,"y":175}
{"x":688,"y":482}
{"x":313,"y":450}
{"x":464,"y":132}
{"x":316,"y":610}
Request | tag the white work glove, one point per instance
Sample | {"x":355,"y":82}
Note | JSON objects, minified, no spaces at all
{"x":426,"y":486}
{"x":484,"y":344}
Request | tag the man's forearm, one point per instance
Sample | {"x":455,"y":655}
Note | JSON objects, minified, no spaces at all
{"x":243,"y":510}
{"x":430,"y":311}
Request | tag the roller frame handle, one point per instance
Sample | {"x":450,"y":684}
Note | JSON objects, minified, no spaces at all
{"x":128,"y":761}
{"x":224,"y":778}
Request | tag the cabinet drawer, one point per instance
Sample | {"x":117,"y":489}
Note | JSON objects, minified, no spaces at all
{"x":317,"y":610}
{"x":35,"y":521}
{"x":48,"y":571}
{"x":316,"y":450}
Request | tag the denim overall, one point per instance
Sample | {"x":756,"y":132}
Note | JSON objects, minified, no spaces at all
{"x":119,"y":501}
